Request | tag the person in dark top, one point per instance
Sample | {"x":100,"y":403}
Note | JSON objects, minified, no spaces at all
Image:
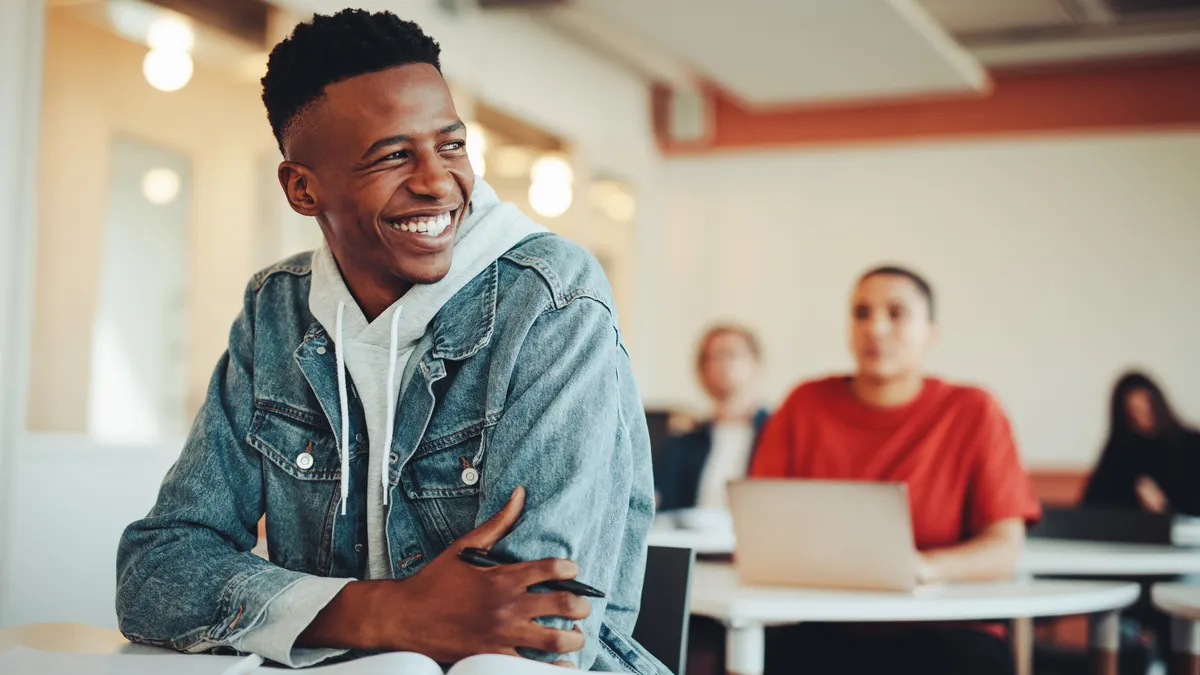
{"x":1151,"y":461}
{"x":696,"y":465}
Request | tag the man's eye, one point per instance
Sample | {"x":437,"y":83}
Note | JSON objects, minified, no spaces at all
{"x":399,"y":154}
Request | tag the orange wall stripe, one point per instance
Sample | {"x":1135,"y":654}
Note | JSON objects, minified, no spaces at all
{"x":1094,"y":97}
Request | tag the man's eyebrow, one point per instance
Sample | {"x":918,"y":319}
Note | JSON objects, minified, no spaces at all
{"x":404,"y":138}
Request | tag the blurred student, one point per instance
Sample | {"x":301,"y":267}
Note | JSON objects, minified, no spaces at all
{"x":952,"y":445}
{"x":697,"y":465}
{"x":1151,"y":461}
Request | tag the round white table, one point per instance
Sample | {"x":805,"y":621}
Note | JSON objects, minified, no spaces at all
{"x":747,"y":610}
{"x":1056,"y":557}
{"x":1182,"y":603}
{"x":1042,"y":557}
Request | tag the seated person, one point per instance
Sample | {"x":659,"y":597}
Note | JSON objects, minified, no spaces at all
{"x":443,"y":373}
{"x":696,"y":466}
{"x":952,"y":445}
{"x":1151,"y":461}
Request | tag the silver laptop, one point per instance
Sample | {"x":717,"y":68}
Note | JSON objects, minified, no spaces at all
{"x":826,"y":534}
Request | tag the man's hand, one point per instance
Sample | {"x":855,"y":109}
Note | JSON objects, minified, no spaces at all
{"x":1151,"y":496}
{"x":451,"y":610}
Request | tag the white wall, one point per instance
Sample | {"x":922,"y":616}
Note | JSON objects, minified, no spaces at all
{"x":1057,"y":261}
{"x":20,"y":75}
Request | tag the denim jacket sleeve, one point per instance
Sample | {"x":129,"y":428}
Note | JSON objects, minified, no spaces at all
{"x":567,"y":437}
{"x":186,"y":577}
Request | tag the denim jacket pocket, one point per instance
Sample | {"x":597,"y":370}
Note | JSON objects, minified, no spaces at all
{"x":444,"y":484}
{"x":285,"y":435}
{"x":302,"y":481}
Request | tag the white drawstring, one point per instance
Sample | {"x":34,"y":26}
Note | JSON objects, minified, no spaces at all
{"x":339,"y":348}
{"x":391,"y":409}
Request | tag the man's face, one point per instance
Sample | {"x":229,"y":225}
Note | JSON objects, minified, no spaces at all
{"x":890,"y":328}
{"x":728,"y":365}
{"x":382,"y":160}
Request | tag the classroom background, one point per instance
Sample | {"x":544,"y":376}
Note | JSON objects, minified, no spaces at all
{"x":1038,"y":160}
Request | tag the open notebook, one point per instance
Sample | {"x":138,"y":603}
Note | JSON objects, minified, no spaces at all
{"x":22,"y":661}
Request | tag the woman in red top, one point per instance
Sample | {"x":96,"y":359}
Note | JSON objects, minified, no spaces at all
{"x":952,"y":445}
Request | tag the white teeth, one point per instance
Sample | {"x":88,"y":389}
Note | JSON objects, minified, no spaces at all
{"x":431,"y":227}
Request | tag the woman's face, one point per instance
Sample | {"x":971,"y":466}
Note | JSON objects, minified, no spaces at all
{"x":1141,"y":412}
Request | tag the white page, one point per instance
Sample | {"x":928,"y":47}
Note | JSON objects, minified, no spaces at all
{"x":22,"y":661}
{"x":495,"y":664}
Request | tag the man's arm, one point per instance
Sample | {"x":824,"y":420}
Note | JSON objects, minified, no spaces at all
{"x":991,"y":555}
{"x":1000,"y":501}
{"x":573,"y":433}
{"x":186,"y":576}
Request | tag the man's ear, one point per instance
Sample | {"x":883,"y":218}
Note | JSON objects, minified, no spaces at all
{"x":300,"y":187}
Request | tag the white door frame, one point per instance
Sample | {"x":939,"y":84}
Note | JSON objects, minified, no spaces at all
{"x":22,"y":41}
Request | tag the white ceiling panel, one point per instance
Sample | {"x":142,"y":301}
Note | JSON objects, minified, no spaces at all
{"x":771,"y":52}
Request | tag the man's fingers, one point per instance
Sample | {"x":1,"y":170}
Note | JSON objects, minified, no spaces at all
{"x":536,"y":571}
{"x":552,"y":640}
{"x":494,"y":528}
{"x":559,"y":603}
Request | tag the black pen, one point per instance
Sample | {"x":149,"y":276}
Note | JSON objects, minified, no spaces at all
{"x":484,"y":558}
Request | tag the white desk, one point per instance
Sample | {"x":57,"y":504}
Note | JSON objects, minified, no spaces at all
{"x":1042,"y":557}
{"x":747,"y":610}
{"x":1185,"y":531}
{"x":83,"y":639}
{"x":1053,"y":557}
{"x":1052,"y":554}
{"x":71,"y":637}
{"x":1182,"y":603}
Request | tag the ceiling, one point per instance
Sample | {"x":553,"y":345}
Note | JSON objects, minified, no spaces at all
{"x":980,"y":16}
{"x":769,"y":52}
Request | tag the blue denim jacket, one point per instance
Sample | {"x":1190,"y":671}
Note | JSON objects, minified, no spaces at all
{"x":522,"y":375}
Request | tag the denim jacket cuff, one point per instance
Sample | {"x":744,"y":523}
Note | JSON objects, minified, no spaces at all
{"x":285,"y":617}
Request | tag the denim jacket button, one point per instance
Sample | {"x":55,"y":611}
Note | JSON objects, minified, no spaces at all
{"x":320,"y":350}
{"x":304,"y":460}
{"x":470,"y":476}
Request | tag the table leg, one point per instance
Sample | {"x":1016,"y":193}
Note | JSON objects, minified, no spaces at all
{"x":745,"y":649}
{"x":1105,"y":643}
{"x":1185,"y":642}
{"x":1022,"y":645}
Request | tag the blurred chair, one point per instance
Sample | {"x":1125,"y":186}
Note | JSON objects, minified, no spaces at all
{"x":662,"y":625}
{"x":1114,"y":525}
{"x":1109,"y":525}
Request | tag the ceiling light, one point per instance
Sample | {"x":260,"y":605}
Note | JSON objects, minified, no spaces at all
{"x":170,"y":34}
{"x":551,"y":169}
{"x":167,"y":70}
{"x":550,"y":199}
{"x":160,"y":186}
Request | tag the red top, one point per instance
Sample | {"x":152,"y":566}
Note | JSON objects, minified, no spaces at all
{"x":952,"y":445}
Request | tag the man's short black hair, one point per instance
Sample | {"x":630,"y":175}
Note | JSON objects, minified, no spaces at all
{"x":330,"y":49}
{"x":898,"y":271}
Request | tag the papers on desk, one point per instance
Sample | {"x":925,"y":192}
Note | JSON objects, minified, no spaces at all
{"x":22,"y":661}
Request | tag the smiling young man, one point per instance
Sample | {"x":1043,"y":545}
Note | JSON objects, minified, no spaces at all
{"x":444,"y":373}
{"x":951,"y":444}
